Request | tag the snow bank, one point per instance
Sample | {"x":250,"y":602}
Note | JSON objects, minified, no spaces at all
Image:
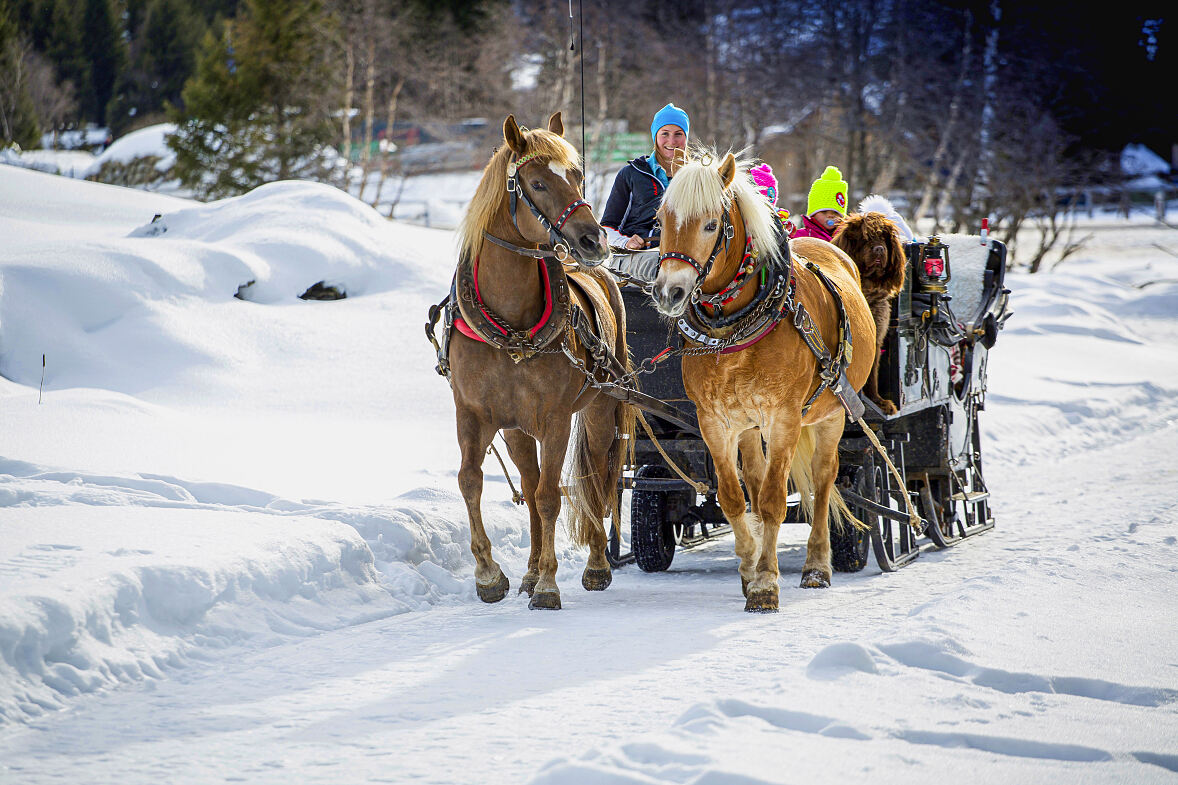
{"x":1110,"y":316}
{"x":87,"y":303}
{"x":149,"y":141}
{"x":124,"y":550}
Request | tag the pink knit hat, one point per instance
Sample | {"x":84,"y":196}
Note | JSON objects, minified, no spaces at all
{"x":762,"y":175}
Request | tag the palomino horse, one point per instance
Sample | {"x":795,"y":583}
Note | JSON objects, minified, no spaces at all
{"x":508,"y":375}
{"x":758,"y":318}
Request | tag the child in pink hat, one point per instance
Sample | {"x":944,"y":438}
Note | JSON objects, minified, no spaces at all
{"x":764,"y":179}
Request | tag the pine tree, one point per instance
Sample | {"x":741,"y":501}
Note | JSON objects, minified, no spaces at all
{"x":105,"y":52}
{"x":63,"y":45}
{"x":163,"y":57}
{"x":258,"y":107}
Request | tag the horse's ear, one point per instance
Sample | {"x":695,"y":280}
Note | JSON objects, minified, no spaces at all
{"x":727,"y":170}
{"x":555,"y":124}
{"x":513,"y":136}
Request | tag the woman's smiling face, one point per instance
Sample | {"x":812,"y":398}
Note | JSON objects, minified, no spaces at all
{"x":669,"y":139}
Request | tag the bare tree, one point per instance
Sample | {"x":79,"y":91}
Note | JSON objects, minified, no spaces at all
{"x":933,"y":186}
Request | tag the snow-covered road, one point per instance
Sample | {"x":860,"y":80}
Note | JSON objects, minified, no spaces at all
{"x":962,"y":662}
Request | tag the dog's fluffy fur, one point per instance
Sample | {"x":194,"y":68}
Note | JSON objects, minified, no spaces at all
{"x":875,"y":242}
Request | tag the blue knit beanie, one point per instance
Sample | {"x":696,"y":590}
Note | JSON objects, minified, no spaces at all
{"x":670,"y":115}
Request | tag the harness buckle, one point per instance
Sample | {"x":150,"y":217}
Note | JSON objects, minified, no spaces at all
{"x":511,"y":183}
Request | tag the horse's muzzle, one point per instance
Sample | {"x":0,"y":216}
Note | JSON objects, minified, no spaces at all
{"x":592,"y":248}
{"x":670,"y":298}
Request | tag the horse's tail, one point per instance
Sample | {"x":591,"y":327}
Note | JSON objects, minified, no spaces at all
{"x":592,"y":494}
{"x":592,"y":489}
{"x":801,"y":472}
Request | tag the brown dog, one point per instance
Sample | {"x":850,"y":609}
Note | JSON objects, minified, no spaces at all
{"x":875,"y":243}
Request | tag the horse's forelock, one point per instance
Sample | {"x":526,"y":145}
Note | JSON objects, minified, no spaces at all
{"x":556,"y":149}
{"x":697,"y":190}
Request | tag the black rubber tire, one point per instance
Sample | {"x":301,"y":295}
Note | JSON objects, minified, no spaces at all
{"x":652,"y":538}
{"x":850,"y":547}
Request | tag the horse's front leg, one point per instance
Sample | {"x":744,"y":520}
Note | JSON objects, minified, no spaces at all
{"x":817,"y":573}
{"x":763,"y":592}
{"x":722,"y":444}
{"x":553,"y":445}
{"x":474,"y":434}
{"x":522,"y":449}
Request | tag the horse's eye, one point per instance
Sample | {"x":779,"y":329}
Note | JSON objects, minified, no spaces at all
{"x":710,"y":226}
{"x":538,"y":186}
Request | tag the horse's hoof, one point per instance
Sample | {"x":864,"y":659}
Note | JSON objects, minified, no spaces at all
{"x":596,"y":580}
{"x":761,"y":601}
{"x":545,"y":600}
{"x":815,"y":579}
{"x":528,"y":584}
{"x":494,"y":591}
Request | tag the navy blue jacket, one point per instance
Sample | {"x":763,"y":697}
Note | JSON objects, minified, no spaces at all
{"x":633,"y":201}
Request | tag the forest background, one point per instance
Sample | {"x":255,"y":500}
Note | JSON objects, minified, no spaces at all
{"x":960,"y":110}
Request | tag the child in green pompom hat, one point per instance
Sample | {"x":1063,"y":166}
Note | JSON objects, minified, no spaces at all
{"x":826,"y":206}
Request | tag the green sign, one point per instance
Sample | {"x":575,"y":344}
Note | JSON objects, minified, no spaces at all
{"x":619,"y":148}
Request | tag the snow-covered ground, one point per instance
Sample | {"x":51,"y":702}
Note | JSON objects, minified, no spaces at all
{"x":232,"y":548}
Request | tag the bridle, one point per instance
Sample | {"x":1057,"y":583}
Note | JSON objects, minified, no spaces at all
{"x":727,"y":232}
{"x":562,"y":248}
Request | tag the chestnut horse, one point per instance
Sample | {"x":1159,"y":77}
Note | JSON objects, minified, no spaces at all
{"x":755,"y":313}
{"x":510,"y":376}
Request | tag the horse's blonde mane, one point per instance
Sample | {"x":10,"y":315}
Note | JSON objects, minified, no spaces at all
{"x":488,"y":196}
{"x":696,"y":190}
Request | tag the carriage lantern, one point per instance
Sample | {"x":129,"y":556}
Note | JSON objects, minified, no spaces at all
{"x":932,"y":267}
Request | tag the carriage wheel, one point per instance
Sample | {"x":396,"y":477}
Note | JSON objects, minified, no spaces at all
{"x":892,"y":540}
{"x":652,"y":536}
{"x":849,"y":546}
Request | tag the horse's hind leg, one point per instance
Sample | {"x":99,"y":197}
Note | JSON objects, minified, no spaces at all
{"x":553,"y":446}
{"x":600,"y":426}
{"x":816,"y":573}
{"x":474,"y":434}
{"x":752,"y":464}
{"x":522,"y":449}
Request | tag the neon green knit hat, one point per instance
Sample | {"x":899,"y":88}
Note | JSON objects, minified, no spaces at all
{"x":829,"y":192}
